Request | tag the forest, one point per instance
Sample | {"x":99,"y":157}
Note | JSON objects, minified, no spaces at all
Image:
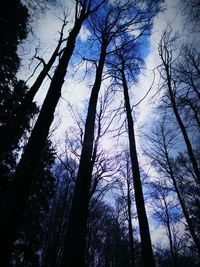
{"x":100,"y":133}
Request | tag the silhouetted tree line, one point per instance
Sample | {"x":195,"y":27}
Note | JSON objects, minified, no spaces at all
{"x":55,"y":207}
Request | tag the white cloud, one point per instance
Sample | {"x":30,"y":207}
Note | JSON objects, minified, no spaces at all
{"x":84,"y":33}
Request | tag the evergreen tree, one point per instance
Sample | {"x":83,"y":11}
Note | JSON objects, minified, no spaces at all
{"x":13,"y":29}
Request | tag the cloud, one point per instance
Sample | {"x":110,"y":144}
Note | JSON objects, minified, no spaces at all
{"x":84,"y":34}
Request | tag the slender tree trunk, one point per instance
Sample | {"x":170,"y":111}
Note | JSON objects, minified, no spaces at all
{"x":181,"y":125}
{"x":174,"y":257}
{"x":147,"y":252}
{"x":75,"y":241}
{"x":28,"y":166}
{"x":184,"y":209}
{"x":130,"y":228}
{"x":13,"y":131}
{"x":196,"y":113}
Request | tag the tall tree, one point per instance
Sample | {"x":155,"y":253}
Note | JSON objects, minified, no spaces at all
{"x":126,"y":200}
{"x":166,"y":70}
{"x":165,"y":210}
{"x":31,"y":232}
{"x":13,"y":30}
{"x":147,"y":251}
{"x":162,"y":150}
{"x":125,"y":65}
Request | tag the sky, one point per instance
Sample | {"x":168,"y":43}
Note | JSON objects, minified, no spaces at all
{"x":76,"y":92}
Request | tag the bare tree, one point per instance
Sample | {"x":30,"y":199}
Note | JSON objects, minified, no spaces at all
{"x":187,"y":75}
{"x":166,"y":70}
{"x":162,"y":148}
{"x":165,"y":210}
{"x":126,"y":199}
{"x":124,"y":68}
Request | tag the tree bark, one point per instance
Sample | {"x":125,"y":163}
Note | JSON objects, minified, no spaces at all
{"x":147,"y":252}
{"x":75,"y":241}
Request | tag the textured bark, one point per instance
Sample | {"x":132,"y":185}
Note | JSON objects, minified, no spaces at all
{"x":75,"y":241}
{"x":27,"y":168}
{"x":12,"y":132}
{"x":147,"y":252}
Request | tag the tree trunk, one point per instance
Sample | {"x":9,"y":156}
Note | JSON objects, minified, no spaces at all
{"x":173,"y":253}
{"x":75,"y":241}
{"x":147,"y":252}
{"x":184,"y":209}
{"x":130,"y":228}
{"x":181,"y":125}
{"x":27,"y":168}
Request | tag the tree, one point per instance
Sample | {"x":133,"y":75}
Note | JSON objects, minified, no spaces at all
{"x":31,"y":232}
{"x":166,"y":211}
{"x":8,"y":164}
{"x":126,"y":199}
{"x":125,"y":65}
{"x":187,"y":74}
{"x":14,"y":18}
{"x":163,"y":152}
{"x":142,"y":217}
{"x":58,"y":215}
{"x":166,"y":70}
{"x":13,"y":30}
{"x":107,"y":238}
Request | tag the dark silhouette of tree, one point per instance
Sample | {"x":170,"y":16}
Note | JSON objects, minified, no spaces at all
{"x":166,"y":70}
{"x":13,"y":29}
{"x":142,"y":217}
{"x":187,"y":75}
{"x":31,"y":231}
{"x":107,"y":238}
{"x":30,"y":161}
{"x":163,"y":258}
{"x":126,"y":199}
{"x":124,"y":68}
{"x":162,"y":149}
{"x":8,"y":164}
{"x":166,"y":212}
{"x":57,"y":217}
